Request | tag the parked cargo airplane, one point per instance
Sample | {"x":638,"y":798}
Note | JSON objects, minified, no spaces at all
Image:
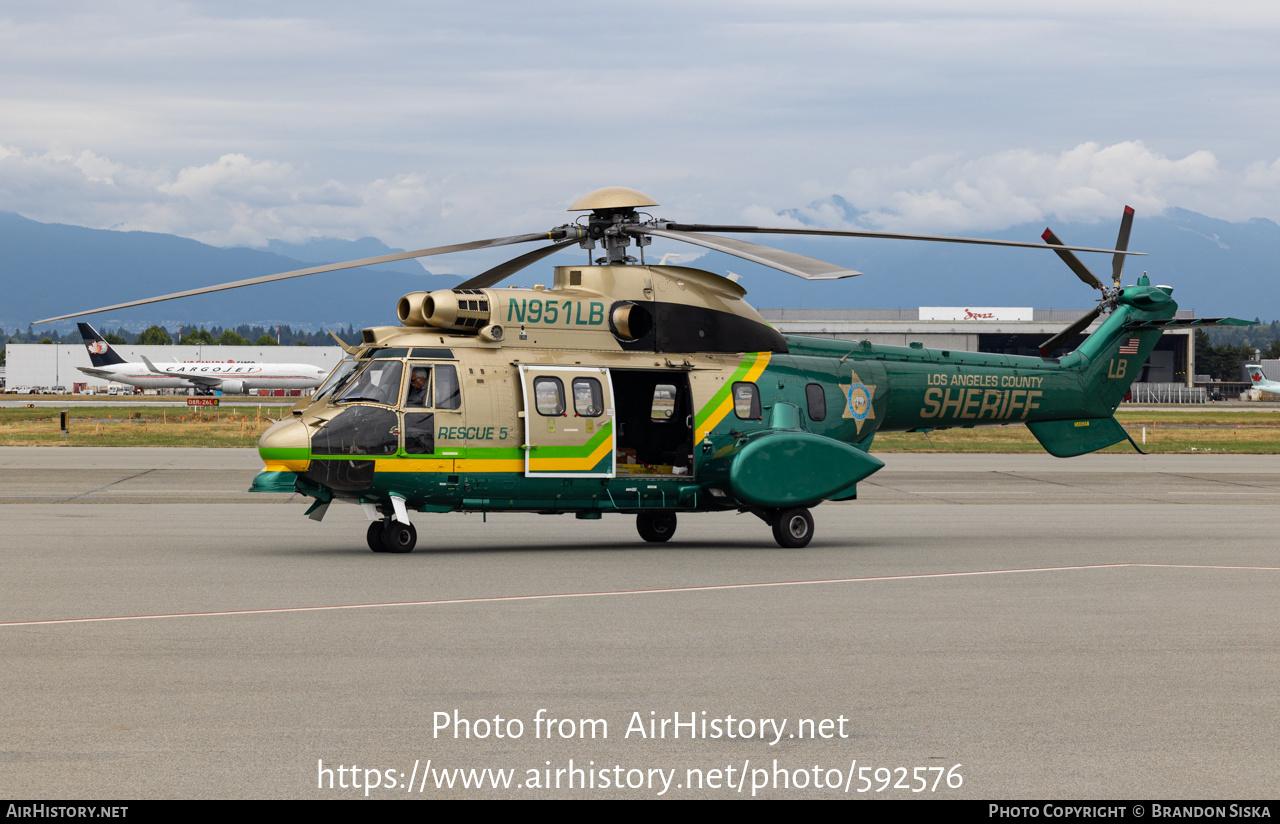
{"x":1260,"y":380}
{"x":232,"y":378}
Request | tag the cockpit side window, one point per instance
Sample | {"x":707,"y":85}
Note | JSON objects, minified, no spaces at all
{"x":418,"y":390}
{"x":419,"y":433}
{"x":378,"y":383}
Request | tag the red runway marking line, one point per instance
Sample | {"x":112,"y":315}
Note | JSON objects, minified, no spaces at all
{"x":607,"y":593}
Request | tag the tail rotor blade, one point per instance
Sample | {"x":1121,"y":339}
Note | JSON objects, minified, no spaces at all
{"x":1122,"y":244}
{"x":1054,"y":343}
{"x":1072,"y":261}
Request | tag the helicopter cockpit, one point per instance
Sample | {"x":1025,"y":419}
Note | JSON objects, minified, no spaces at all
{"x":378,"y":391}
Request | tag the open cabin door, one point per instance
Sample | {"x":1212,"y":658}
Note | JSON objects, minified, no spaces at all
{"x":568,"y":422}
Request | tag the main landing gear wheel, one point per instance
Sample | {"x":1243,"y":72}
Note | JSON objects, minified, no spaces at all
{"x":374,"y":537}
{"x":793,"y":528}
{"x":398,"y":537}
{"x":656,"y":527}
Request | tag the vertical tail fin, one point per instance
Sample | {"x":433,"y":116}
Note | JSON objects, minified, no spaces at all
{"x":100,"y":352}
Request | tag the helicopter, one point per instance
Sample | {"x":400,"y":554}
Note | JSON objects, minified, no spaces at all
{"x":656,"y":390}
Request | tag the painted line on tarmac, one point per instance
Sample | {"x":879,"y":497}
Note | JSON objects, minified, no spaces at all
{"x":611,"y":593}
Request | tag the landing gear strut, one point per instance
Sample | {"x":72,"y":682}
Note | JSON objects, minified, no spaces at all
{"x":656,"y":527}
{"x":391,"y":536}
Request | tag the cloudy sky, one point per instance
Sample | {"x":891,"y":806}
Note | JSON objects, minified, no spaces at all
{"x":424,"y":123}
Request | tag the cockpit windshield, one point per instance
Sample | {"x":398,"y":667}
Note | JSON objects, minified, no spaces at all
{"x":337,"y":379}
{"x":378,"y":383}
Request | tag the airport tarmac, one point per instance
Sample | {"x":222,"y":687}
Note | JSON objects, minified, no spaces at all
{"x":1102,"y":627}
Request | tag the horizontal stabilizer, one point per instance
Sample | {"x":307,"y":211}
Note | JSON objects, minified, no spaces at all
{"x":1186,"y":323}
{"x":1066,"y":439}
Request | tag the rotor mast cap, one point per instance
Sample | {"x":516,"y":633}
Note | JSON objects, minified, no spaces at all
{"x":611,"y":197}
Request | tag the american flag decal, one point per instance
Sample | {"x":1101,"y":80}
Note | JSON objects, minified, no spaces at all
{"x":1130,"y":348}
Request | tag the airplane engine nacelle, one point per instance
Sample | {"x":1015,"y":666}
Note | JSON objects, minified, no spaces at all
{"x":465,"y":310}
{"x":232,"y":387}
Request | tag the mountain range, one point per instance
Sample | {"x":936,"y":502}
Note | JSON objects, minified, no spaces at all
{"x":1216,"y":267}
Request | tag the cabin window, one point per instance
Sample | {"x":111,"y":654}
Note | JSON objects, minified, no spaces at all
{"x":664,"y":402}
{"x":817,"y":401}
{"x":588,"y":397}
{"x":548,"y":395}
{"x":746,"y":401}
{"x":448,"y":392}
{"x":378,"y":383}
{"x":362,"y":430}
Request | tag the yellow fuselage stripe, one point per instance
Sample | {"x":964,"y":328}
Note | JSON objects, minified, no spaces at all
{"x":762,"y":361}
{"x":572,"y":464}
{"x":286,"y":466}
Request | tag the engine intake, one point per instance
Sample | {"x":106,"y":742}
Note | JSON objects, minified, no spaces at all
{"x":465,"y":310}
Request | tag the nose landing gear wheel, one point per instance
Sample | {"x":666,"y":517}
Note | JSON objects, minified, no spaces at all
{"x":656,"y":527}
{"x":793,"y":528}
{"x":398,"y":537}
{"x":374,"y":537}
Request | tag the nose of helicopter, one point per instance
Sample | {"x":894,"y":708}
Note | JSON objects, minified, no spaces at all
{"x":286,"y":446}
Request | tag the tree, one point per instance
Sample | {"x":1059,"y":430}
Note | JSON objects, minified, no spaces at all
{"x":267,"y":340}
{"x":1220,"y":362}
{"x":115,"y":338}
{"x":154,"y":336}
{"x":232,"y":338}
{"x":199,"y":336}
{"x":46,"y":339}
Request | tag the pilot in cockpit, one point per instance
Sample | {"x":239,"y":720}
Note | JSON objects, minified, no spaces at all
{"x":419,"y":393}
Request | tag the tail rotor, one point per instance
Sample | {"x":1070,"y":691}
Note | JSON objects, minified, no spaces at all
{"x":1108,"y":300}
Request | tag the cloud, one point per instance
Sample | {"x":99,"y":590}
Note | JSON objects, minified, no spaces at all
{"x":1084,"y":183}
{"x":237,"y":199}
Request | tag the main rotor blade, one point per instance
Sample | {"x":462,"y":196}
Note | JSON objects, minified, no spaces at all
{"x":1072,"y":261}
{"x":1052,"y":344}
{"x":505,"y":270}
{"x":1122,"y":242}
{"x":316,"y":270}
{"x":789,"y":262}
{"x":773,"y":230}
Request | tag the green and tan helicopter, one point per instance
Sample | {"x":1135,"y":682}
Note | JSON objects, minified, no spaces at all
{"x":651,"y":390}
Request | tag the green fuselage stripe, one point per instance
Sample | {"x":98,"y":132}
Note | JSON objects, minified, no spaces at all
{"x":723,"y":392}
